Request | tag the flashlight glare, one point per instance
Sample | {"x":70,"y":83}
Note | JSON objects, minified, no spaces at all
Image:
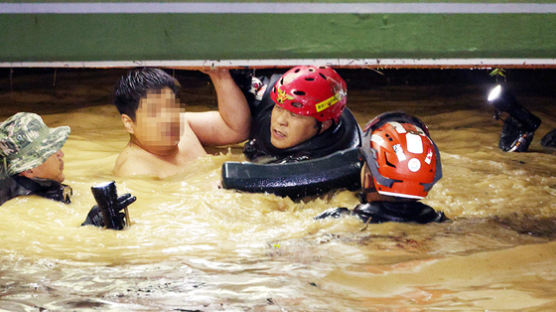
{"x":102,"y":184}
{"x":494,"y":93}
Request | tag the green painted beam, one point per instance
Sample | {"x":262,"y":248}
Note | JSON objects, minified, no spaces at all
{"x":100,"y":37}
{"x":46,"y":38}
{"x":287,"y":1}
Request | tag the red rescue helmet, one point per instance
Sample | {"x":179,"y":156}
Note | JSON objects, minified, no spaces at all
{"x":313,"y":91}
{"x":403,"y":159}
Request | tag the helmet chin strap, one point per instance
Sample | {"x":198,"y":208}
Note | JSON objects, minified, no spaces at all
{"x":363,"y":193}
{"x":319,"y":127}
{"x":367,"y":185}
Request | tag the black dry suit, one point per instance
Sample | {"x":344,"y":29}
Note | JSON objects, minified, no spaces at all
{"x":17,"y":185}
{"x":342,"y":135}
{"x":379,"y":212}
{"x":327,"y":161}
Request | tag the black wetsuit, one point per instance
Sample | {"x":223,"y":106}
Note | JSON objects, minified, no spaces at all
{"x":17,"y":185}
{"x":514,"y":137}
{"x":287,"y":172}
{"x":549,"y":139}
{"x":379,"y":212}
{"x":342,"y":135}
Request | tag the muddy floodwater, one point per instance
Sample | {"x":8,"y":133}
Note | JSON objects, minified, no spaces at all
{"x":195,"y":247}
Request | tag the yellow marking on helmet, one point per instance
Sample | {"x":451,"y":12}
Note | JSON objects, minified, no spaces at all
{"x":283,"y":96}
{"x":326,"y":103}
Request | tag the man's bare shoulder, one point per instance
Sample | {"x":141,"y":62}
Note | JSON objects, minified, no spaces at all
{"x":190,"y":146}
{"x":134,"y":162}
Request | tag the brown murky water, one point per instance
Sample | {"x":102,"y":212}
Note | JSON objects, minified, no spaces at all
{"x":194,"y":247}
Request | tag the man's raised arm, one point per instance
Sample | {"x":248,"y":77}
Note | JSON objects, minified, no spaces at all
{"x":231,"y":123}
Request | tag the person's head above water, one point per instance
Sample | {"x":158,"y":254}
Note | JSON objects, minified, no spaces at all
{"x":31,"y":149}
{"x":401,"y":160}
{"x":308,"y":100}
{"x":146,"y":100}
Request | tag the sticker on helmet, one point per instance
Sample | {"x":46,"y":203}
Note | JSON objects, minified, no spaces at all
{"x":398,"y":126}
{"x":326,"y":103}
{"x":377,"y":139}
{"x":428,"y":159}
{"x":414,"y":164}
{"x":399,"y":152}
{"x":417,"y":130}
{"x":282,"y":96}
{"x":339,"y":92}
{"x":414,"y":143}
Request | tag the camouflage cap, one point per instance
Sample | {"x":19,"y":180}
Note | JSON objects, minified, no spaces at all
{"x":26,"y":142}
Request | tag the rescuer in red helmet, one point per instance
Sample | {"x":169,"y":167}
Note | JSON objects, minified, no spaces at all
{"x":299,"y":115}
{"x":401,"y":164}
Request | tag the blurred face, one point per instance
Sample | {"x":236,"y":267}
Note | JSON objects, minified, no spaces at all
{"x":52,"y":168}
{"x":288,"y":129}
{"x":157,"y":120}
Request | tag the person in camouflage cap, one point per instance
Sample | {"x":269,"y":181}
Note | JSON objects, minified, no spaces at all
{"x":31,"y":158}
{"x":31,"y":164}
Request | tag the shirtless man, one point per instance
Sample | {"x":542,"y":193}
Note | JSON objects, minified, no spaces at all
{"x":163,"y":139}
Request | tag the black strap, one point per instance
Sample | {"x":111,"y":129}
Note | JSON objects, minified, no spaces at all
{"x":43,"y":187}
{"x":412,"y":211}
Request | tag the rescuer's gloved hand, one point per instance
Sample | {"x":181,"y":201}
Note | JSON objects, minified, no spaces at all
{"x":549,"y":139}
{"x":94,"y":217}
{"x":514,"y":138}
{"x":333,"y":212}
{"x":108,"y":212}
{"x":117,"y":217}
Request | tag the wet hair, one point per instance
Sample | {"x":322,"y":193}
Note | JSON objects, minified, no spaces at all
{"x":136,"y":83}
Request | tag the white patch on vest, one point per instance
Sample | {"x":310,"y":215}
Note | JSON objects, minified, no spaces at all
{"x":399,"y":152}
{"x":398,"y":126}
{"x":414,"y":143}
{"x":256,"y":85}
{"x":414,"y":164}
{"x":260,"y":93}
{"x":377,"y":139}
{"x":428,"y":159}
